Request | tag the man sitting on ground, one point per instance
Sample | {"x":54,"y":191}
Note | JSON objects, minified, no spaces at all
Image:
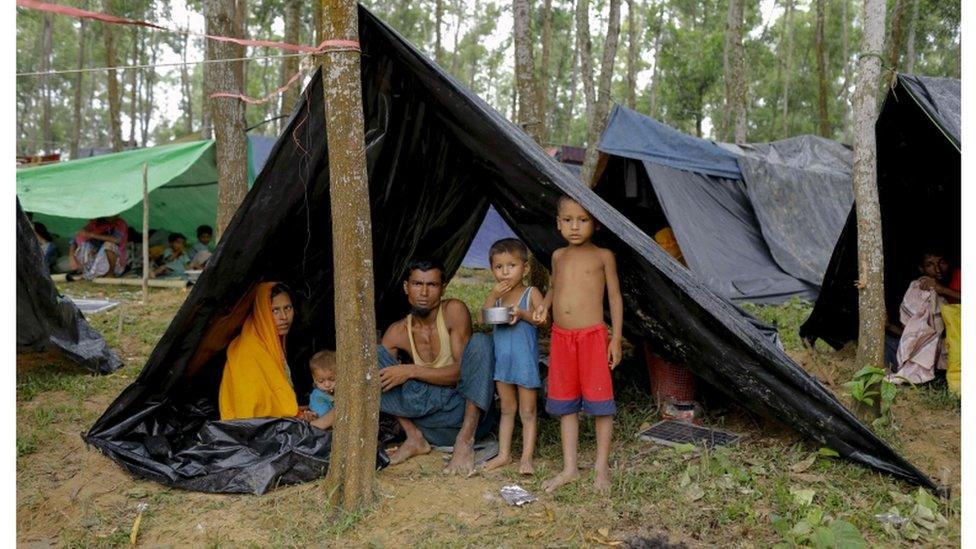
{"x":440,"y":397}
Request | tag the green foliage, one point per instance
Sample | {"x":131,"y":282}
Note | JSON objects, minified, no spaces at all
{"x":869,"y":387}
{"x":786,"y":318}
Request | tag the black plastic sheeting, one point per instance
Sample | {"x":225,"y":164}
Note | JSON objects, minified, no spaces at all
{"x":437,"y":154}
{"x":45,"y":320}
{"x":801,"y":191}
{"x":919,"y":175}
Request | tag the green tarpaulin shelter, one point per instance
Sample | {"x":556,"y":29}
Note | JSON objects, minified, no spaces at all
{"x":182,"y":187}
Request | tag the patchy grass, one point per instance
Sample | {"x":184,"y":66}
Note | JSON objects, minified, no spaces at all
{"x":772,"y":489}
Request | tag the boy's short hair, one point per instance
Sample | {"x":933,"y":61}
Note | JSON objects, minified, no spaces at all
{"x":512,"y":246}
{"x":204,"y":229}
{"x":173,"y":237}
{"x":424,"y":265}
{"x":323,"y":360}
{"x":566,"y":198}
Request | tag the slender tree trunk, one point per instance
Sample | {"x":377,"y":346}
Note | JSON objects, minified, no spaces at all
{"x":438,"y":23}
{"x":633,"y":47}
{"x":895,"y":40}
{"x":133,"y":84}
{"x":459,"y":20}
{"x":317,"y":21}
{"x":568,"y":115}
{"x":598,"y":113}
{"x":655,"y":76}
{"x":206,"y":107}
{"x":910,"y":46}
{"x":46,"y":131}
{"x":871,"y":303}
{"x":293,"y":25}
{"x":353,"y":463}
{"x":823,"y":119}
{"x":734,"y":114}
{"x":147,"y":104}
{"x":79,"y":81}
{"x":544,"y":81}
{"x":114,"y":101}
{"x":846,"y":53}
{"x":788,"y":21}
{"x":228,"y":113}
{"x":185,"y":86}
{"x":529,"y":115}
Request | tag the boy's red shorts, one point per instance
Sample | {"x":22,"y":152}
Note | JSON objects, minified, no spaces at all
{"x":579,"y":372}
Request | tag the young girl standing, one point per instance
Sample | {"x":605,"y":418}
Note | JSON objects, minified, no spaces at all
{"x":516,"y":350}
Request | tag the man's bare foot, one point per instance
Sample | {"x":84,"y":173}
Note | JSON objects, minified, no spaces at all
{"x":496,"y":462}
{"x":563,"y":477}
{"x":462,"y":462}
{"x":409,"y":449}
{"x":526,"y":467}
{"x":601,"y":484}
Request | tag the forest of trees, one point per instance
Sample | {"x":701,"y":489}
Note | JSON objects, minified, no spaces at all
{"x":713,"y":68}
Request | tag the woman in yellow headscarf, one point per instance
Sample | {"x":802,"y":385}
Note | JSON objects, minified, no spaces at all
{"x":256,"y":380}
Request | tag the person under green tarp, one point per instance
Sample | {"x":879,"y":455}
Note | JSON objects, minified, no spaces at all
{"x":99,"y":248}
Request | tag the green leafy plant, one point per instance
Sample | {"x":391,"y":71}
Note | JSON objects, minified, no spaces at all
{"x":870,"y":388}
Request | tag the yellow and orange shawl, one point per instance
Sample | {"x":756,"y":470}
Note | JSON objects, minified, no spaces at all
{"x":254,"y":382}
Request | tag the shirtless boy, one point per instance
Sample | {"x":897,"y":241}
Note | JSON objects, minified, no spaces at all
{"x":581,"y":352}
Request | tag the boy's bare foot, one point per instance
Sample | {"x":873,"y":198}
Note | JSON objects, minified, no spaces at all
{"x":563,"y":477}
{"x":525,"y":467}
{"x":496,"y":462}
{"x":601,"y":484}
{"x":409,"y":449}
{"x":462,"y":462}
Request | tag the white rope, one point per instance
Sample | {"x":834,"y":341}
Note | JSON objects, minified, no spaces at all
{"x":180,"y":64}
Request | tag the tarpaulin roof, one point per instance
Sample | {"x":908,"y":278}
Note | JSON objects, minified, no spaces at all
{"x":919,"y":175}
{"x":45,"y":320}
{"x":756,"y":222}
{"x":419,"y":120}
{"x":182,"y":181}
{"x":633,"y":135}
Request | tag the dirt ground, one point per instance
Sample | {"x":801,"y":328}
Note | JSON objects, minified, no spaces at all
{"x":69,"y":495}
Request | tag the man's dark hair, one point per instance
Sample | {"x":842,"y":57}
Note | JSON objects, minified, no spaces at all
{"x":280,"y":288}
{"x":173,"y":237}
{"x":41,"y":229}
{"x":423,"y":265}
{"x":204,"y":229}
{"x":926,"y":251}
{"x":512,"y":246}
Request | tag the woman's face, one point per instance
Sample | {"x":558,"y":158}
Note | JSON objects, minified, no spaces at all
{"x":282,"y":312}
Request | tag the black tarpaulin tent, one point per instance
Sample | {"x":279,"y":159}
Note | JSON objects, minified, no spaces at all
{"x":756,"y":222}
{"x":919,"y":175}
{"x":437,"y":156}
{"x":45,"y":320}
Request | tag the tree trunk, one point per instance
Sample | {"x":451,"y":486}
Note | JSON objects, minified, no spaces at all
{"x":597,"y":113}
{"x":823,"y":120}
{"x":438,"y":22}
{"x":655,"y":76}
{"x":910,"y":46}
{"x":633,"y":47}
{"x":459,"y":15}
{"x":568,"y":116}
{"x":789,"y":32}
{"x":228,"y":113}
{"x":544,"y":81}
{"x":133,"y":84}
{"x":46,"y":133}
{"x":185,"y":86}
{"x":114,"y":101}
{"x":353,"y":464}
{"x":79,"y":81}
{"x":871,"y":303}
{"x":147,"y":104}
{"x":895,"y":38}
{"x":206,"y":108}
{"x":734,"y":114}
{"x":846,"y":56}
{"x":293,"y":26}
{"x":529,"y":116}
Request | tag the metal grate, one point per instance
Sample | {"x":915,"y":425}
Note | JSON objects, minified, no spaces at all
{"x":674,"y":433}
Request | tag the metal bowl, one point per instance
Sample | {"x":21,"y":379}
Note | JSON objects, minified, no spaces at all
{"x":496,"y":315}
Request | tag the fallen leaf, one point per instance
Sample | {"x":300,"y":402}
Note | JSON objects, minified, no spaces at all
{"x":802,"y":466}
{"x":605,"y":532}
{"x":803,"y":496}
{"x":808,"y":477}
{"x":694,"y":492}
{"x":828,"y":452}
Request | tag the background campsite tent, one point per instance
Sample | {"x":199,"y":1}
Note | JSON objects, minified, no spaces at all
{"x":918,"y":136}
{"x":182,"y":187}
{"x":494,"y":228}
{"x":47,"y":321}
{"x":473,"y":156}
{"x":756,"y":222}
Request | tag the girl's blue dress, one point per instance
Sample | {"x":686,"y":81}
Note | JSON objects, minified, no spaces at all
{"x":517,"y":350}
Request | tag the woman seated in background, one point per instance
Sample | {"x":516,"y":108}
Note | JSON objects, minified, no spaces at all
{"x":256,"y":380}
{"x":99,"y":248}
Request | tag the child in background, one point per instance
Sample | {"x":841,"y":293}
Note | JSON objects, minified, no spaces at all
{"x":175,"y":258}
{"x":323,"y":366}
{"x":516,"y":350}
{"x":201,"y":251}
{"x":580,"y":356}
